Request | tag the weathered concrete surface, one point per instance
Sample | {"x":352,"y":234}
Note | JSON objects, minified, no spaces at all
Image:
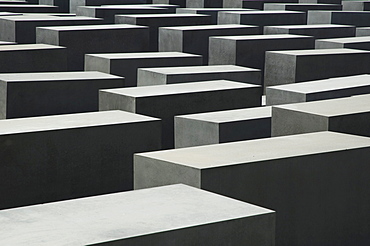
{"x":165,"y":216}
{"x":361,"y":43}
{"x":355,"y":18}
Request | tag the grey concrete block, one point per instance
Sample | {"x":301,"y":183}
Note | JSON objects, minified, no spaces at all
{"x":286,"y":67}
{"x":68,"y":156}
{"x":321,"y":1}
{"x":355,"y":18}
{"x":195,"y":39}
{"x":13,"y":2}
{"x":108,"y":12}
{"x":318,"y":90}
{"x":361,"y":43}
{"x":28,"y":8}
{"x":305,"y":7}
{"x":204,"y":3}
{"x":222,"y":127}
{"x":174,"y":75}
{"x":38,"y":94}
{"x":6,"y":43}
{"x":249,"y":51}
{"x":180,"y":3}
{"x":362,"y":31}
{"x":81,"y":40}
{"x":167,"y":101}
{"x":347,"y":115}
{"x":263,"y":18}
{"x":127,"y":64}
{"x":75,"y":3}
{"x":141,"y":218}
{"x":22,"y":58}
{"x":63,"y":5}
{"x":213,"y":12}
{"x":356,"y":5}
{"x":318,"y":183}
{"x":154,"y":21}
{"x":316,"y":31}
{"x":22,"y":28}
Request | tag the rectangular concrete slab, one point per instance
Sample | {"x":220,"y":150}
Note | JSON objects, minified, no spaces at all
{"x":207,"y":11}
{"x":361,"y":43}
{"x":70,"y":156}
{"x":38,"y":94}
{"x":292,"y":66}
{"x":81,"y":40}
{"x":75,"y":3}
{"x":311,"y":180}
{"x":305,"y":7}
{"x":362,"y":31}
{"x":127,"y":64}
{"x":159,"y":216}
{"x":222,"y":126}
{"x":28,"y":8}
{"x":154,"y":21}
{"x":22,"y":58}
{"x":195,"y":39}
{"x":174,"y":75}
{"x":355,"y":18}
{"x":167,"y":101}
{"x":22,"y":28}
{"x":347,"y":115}
{"x":356,"y":5}
{"x":316,"y":31}
{"x":180,"y":3}
{"x":318,"y":90}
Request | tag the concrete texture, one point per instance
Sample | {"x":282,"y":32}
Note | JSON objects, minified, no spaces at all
{"x":127,"y":64}
{"x":362,"y":31}
{"x":154,"y":21}
{"x":63,"y":5}
{"x":321,"y":1}
{"x":316,"y":31}
{"x":222,"y":127}
{"x":361,"y":43}
{"x":75,"y":3}
{"x":167,"y":101}
{"x":263,"y":18}
{"x":174,"y":75}
{"x":22,"y":28}
{"x":347,"y":115}
{"x":107,"y":13}
{"x":69,"y":156}
{"x":204,"y":3}
{"x":180,"y":3}
{"x":355,"y":18}
{"x":81,"y":40}
{"x":356,"y":5}
{"x":318,"y":183}
{"x":305,"y":7}
{"x":318,"y":90}
{"x":195,"y":39}
{"x":28,"y":8}
{"x":38,"y":94}
{"x":286,"y":67}
{"x":197,"y":217}
{"x":249,"y":51}
{"x":22,"y":58}
{"x":213,"y":12}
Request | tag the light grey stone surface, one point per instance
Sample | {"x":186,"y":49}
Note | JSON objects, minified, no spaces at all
{"x":222,"y":126}
{"x":207,"y":11}
{"x":22,"y":28}
{"x":361,"y":43}
{"x":355,"y":18}
{"x":68,"y":156}
{"x":263,"y":18}
{"x":38,"y":94}
{"x":204,"y":3}
{"x":347,"y":115}
{"x":23,"y":58}
{"x":174,"y":75}
{"x":316,"y":31}
{"x":362,"y":31}
{"x":195,"y":39}
{"x":356,"y":5}
{"x":127,"y":64}
{"x":167,"y":101}
{"x":318,"y":183}
{"x":292,"y":66}
{"x":318,"y":90}
{"x":180,"y":3}
{"x":154,"y":21}
{"x":108,"y":12}
{"x":75,"y":3}
{"x":249,"y":51}
{"x":165,"y":216}
{"x":321,"y":1}
{"x":81,"y":40}
{"x":28,"y":8}
{"x":305,"y":7}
